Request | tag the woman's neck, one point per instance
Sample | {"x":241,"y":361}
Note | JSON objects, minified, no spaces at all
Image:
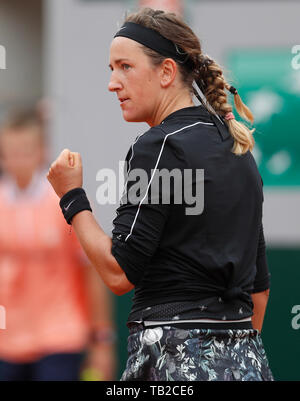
{"x":169,"y":105}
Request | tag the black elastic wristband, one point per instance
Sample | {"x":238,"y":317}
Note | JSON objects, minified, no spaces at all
{"x":73,"y":202}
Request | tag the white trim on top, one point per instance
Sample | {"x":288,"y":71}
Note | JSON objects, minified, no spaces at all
{"x":156,"y":164}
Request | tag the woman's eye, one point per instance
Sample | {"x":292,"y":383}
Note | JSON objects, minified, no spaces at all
{"x":125,"y":66}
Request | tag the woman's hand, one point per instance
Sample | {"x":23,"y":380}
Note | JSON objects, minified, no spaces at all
{"x":65,"y":172}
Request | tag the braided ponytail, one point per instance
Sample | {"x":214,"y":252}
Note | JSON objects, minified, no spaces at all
{"x":212,"y":83}
{"x":207,"y":74}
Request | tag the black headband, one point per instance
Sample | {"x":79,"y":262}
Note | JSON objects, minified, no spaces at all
{"x":155,"y":41}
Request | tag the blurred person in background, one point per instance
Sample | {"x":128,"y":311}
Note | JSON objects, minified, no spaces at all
{"x":58,"y":312}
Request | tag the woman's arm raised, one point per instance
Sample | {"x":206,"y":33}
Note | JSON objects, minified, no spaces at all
{"x":64,"y":175}
{"x":97,"y":246}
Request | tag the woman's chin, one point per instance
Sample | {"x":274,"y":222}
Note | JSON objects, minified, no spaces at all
{"x":132,"y":118}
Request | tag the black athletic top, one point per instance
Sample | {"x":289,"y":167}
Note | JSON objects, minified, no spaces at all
{"x":200,"y":260}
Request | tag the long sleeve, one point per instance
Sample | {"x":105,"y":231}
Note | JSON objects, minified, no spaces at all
{"x":262,"y":278}
{"x":140,"y":222}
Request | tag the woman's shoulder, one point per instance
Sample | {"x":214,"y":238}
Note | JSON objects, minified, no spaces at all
{"x":154,"y":149}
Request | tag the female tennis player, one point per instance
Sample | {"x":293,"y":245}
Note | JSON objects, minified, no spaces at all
{"x":197,"y":262}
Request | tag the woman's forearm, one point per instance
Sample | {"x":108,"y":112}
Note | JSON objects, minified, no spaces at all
{"x":97,"y":246}
{"x":260,"y":301}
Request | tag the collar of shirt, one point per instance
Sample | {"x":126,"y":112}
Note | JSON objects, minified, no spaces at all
{"x":190,"y":112}
{"x":200,"y":113}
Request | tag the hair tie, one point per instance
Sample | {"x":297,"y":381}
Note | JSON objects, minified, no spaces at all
{"x":233,"y":90}
{"x":229,"y":116}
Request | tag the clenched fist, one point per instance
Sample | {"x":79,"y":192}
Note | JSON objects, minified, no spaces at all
{"x":65,"y":172}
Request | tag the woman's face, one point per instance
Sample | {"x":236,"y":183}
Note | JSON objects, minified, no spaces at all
{"x":135,"y":80}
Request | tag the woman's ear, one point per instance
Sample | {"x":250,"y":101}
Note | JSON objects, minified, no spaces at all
{"x":168,"y":72}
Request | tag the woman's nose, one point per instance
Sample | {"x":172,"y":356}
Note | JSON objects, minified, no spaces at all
{"x":114,"y":84}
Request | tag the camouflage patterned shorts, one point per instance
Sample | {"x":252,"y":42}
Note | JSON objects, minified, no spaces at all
{"x":168,"y":353}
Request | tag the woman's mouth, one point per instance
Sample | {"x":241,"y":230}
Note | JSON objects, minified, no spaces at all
{"x":123,"y":100}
